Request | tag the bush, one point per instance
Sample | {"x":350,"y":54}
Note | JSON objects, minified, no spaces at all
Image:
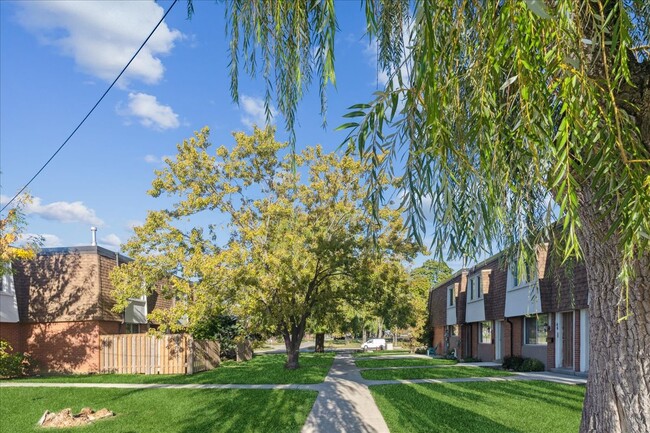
{"x":13,"y":364}
{"x":517,"y":363}
{"x":512,"y":362}
{"x":531,"y":364}
{"x":421,"y":350}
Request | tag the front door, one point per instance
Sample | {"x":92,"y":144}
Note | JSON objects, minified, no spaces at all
{"x":498,"y":340}
{"x":567,"y":340}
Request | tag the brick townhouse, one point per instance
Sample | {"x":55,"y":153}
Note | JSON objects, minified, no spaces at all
{"x":56,"y":306}
{"x":489,"y":312}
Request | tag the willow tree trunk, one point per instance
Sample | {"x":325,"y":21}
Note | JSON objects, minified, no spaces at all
{"x":618,"y":388}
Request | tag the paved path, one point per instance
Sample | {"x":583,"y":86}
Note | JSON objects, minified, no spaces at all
{"x":344,"y":403}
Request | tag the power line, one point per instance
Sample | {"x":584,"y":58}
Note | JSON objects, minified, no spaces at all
{"x":91,"y":110}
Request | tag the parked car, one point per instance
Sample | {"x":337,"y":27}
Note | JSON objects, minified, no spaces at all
{"x":374,"y":344}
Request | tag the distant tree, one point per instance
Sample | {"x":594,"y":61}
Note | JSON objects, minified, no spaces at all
{"x":277,"y":251}
{"x":433,"y":271}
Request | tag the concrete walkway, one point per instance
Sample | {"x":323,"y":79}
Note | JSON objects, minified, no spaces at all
{"x":344,"y":403}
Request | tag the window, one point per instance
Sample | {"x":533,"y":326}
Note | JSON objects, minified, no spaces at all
{"x":450,"y":296}
{"x":453,"y":331}
{"x":517,"y":279}
{"x":479,"y":289}
{"x":485,"y":332}
{"x":471,"y":289}
{"x":536,"y":329}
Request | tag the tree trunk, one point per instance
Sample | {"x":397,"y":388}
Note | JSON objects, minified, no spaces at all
{"x":292,"y":340}
{"x":320,"y":342}
{"x":618,"y":388}
{"x":364,"y":335}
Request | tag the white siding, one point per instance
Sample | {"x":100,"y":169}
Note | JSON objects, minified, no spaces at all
{"x":523,"y":298}
{"x":8,"y":302}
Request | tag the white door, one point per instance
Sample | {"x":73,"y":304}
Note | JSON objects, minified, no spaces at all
{"x":498,"y":340}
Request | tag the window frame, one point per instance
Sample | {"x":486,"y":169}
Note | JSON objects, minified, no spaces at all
{"x":451,"y":296}
{"x":541,"y":329}
{"x":490,"y":326}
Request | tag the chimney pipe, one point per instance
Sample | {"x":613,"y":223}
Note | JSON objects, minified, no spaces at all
{"x":93,"y":230}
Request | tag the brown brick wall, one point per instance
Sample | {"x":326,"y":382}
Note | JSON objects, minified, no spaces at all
{"x":495,"y":299}
{"x":66,"y":347}
{"x":517,"y":337}
{"x":550,"y":342}
{"x":439,"y":303}
{"x":13,"y":333}
{"x":564,"y":286}
{"x":106,"y":299}
{"x":438,"y":341}
{"x":57,"y":288}
{"x":461,"y":298}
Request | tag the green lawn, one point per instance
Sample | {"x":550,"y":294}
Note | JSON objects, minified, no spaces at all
{"x":262,"y":369}
{"x":402,"y":362}
{"x":161,"y":410}
{"x":381,"y":353}
{"x":432,"y":373}
{"x":486,"y":407}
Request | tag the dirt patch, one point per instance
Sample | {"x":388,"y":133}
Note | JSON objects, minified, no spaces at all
{"x":66,"y":418}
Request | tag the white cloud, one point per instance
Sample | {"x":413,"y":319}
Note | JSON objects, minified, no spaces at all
{"x":49,"y":240}
{"x":101,"y":36}
{"x":150,"y":112}
{"x":253,"y":111}
{"x":111,"y":241}
{"x":153,"y":159}
{"x":63,"y":211}
{"x":370,"y":52}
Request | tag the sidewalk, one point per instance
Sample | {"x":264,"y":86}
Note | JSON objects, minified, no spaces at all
{"x":344,"y":403}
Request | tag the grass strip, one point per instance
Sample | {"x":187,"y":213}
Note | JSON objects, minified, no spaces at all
{"x":262,"y":369}
{"x":432,"y":373}
{"x":161,"y":410}
{"x":381,"y":353}
{"x":486,"y":407}
{"x":402,"y":362}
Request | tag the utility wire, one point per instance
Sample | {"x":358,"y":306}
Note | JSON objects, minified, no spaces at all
{"x":91,"y":110}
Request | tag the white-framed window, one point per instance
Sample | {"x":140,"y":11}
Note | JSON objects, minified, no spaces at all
{"x":475,"y":290}
{"x":536,"y":329}
{"x":471,"y":289}
{"x":485,"y":332}
{"x":451,"y":296}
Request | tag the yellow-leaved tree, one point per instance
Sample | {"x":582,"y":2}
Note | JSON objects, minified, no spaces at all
{"x":273,"y":240}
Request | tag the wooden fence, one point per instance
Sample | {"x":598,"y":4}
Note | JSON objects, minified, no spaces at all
{"x":149,"y":354}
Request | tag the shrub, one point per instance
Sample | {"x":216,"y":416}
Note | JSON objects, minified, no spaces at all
{"x":13,"y":364}
{"x":512,"y":362}
{"x":517,"y":363}
{"x":531,"y":364}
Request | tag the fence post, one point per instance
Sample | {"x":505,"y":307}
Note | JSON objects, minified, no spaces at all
{"x":190,"y":355}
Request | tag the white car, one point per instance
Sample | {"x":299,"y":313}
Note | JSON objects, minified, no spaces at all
{"x":374,"y":344}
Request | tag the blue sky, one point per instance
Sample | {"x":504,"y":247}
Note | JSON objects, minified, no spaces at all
{"x":57,"y":58}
